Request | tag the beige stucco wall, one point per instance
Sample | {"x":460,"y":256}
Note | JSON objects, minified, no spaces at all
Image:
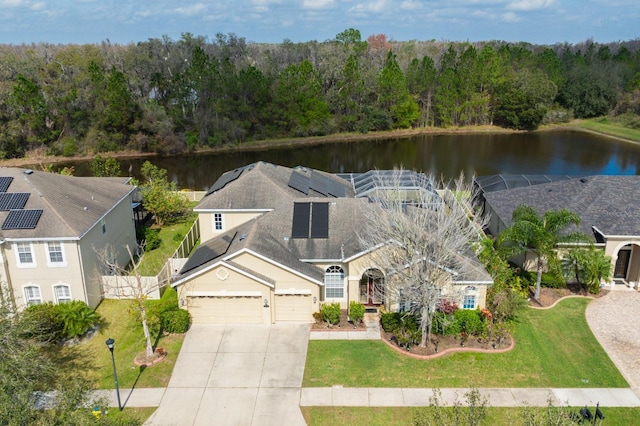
{"x":120,"y":233}
{"x":229,"y":221}
{"x":42,"y":274}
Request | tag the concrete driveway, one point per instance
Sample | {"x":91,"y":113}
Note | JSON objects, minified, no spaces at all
{"x":237,"y":375}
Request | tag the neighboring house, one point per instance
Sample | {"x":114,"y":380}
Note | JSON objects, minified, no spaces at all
{"x":52,"y":229}
{"x":277,"y":242}
{"x":607,"y":205}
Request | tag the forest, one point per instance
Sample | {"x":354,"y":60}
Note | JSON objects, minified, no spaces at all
{"x":172,"y":96}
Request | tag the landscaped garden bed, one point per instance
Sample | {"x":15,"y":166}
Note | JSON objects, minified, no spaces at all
{"x":345,"y":324}
{"x":549,"y":296}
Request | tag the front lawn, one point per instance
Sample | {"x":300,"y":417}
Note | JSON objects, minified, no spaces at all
{"x":93,"y":359}
{"x":383,"y":416}
{"x":554,"y":348}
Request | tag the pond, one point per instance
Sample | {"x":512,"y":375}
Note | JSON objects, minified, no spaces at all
{"x":553,"y":152}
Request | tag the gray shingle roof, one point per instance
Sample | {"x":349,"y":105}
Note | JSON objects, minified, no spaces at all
{"x":610,"y":203}
{"x":71,"y":205}
{"x":265,"y":186}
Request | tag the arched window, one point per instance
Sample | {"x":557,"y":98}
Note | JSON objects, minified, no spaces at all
{"x":32,"y":295}
{"x":470,"y":298}
{"x":334,"y":283}
{"x":62,"y":293}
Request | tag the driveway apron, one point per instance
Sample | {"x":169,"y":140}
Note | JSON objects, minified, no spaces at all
{"x":237,"y":375}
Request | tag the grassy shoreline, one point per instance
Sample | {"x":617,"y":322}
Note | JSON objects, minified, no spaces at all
{"x":595,"y":126}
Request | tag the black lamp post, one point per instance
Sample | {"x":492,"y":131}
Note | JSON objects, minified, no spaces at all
{"x":110,"y":344}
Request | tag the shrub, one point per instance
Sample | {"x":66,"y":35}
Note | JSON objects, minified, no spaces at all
{"x":152,"y":238}
{"x":331,"y":313}
{"x":78,"y":318}
{"x":390,"y":321}
{"x":356,"y":312}
{"x":469,"y":322}
{"x":42,"y":323}
{"x":447,"y":306}
{"x":176,"y":320}
{"x":442,"y":324}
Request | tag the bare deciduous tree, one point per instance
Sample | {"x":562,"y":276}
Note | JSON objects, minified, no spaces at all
{"x":425,"y":235}
{"x":127,"y":283}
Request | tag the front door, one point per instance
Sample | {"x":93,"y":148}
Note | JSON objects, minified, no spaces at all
{"x":372,"y":288}
{"x":622,"y":264}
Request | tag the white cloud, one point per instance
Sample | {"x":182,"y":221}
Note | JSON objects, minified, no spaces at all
{"x":410,"y":5}
{"x":374,"y":6}
{"x":38,"y":5}
{"x":318,"y":4}
{"x":194,"y":9}
{"x":510,"y":17}
{"x":11,"y":3}
{"x":530,"y":4}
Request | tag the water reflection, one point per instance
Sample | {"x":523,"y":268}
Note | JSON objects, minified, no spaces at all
{"x":566,"y":152}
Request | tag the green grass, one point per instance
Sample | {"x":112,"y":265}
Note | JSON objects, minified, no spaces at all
{"x":171,"y":236}
{"x":373,"y":416}
{"x":128,"y":413}
{"x":93,"y":359}
{"x":554,"y":348}
{"x":603,"y":125}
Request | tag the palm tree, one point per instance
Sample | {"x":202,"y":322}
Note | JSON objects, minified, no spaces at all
{"x":590,"y":266}
{"x":538,"y":234}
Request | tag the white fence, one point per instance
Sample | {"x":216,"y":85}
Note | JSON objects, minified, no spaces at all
{"x":125,"y":287}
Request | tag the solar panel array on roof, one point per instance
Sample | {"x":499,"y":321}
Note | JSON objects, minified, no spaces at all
{"x":5,"y":181}
{"x":319,"y":183}
{"x":208,"y":252}
{"x":22,"y":219}
{"x":320,"y":220}
{"x":225,"y":179}
{"x":299,"y":182}
{"x":13,"y":200}
{"x":300,"y":226}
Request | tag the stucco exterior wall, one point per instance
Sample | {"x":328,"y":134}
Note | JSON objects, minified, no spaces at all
{"x":229,"y":221}
{"x":44,"y":274}
{"x":119,"y":232}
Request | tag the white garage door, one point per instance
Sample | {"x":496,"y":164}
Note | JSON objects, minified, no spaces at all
{"x":293,"y":307}
{"x":228,"y":309}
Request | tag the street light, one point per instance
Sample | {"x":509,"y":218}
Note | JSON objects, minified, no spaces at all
{"x":110,"y":344}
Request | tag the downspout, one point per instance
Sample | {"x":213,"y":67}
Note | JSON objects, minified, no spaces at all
{"x":11,"y":301}
{"x":84,"y":286}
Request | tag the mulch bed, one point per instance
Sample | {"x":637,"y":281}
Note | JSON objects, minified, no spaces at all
{"x":449,"y":344}
{"x":549,"y":296}
{"x":343,"y":325}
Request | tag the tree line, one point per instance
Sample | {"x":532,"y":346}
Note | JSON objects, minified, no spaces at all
{"x":174,"y":96}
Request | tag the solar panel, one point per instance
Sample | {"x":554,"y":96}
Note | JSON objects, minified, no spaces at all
{"x":5,"y":181}
{"x":13,"y":200}
{"x":209,"y":251}
{"x":300,"y":226}
{"x":320,"y":220}
{"x":22,"y":219}
{"x":335,"y":189}
{"x":225,"y":179}
{"x":299,"y":182}
{"x":319,"y":183}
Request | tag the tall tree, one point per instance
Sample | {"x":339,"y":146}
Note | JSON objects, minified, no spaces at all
{"x":394,"y":96}
{"x":540,"y":235}
{"x":421,"y":79}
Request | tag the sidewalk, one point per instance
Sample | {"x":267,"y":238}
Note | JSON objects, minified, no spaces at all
{"x":338,"y":396}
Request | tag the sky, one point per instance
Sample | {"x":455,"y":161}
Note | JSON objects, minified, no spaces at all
{"x":272,"y":21}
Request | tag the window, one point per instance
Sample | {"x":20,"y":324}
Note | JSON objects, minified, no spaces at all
{"x":62,"y":293}
{"x":56,"y":255}
{"x":104,"y":226}
{"x":24,"y":253}
{"x":469,"y":301}
{"x":217,"y":221}
{"x":334,"y":283}
{"x":32,"y":295}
